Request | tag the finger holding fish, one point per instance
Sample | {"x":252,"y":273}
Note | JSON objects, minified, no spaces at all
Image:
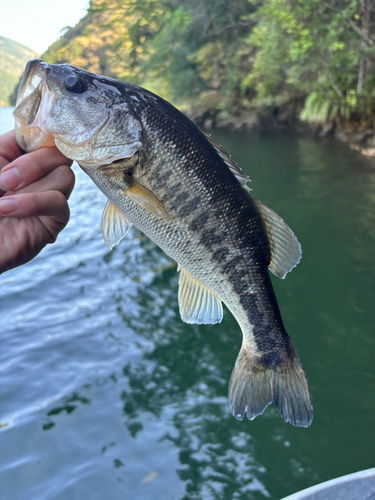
{"x":45,"y":198}
{"x":34,"y":210}
{"x":29,"y":221}
{"x":61,"y":178}
{"x":26,"y":169}
{"x":31,"y":175}
{"x":51,"y":203}
{"x":9,"y":149}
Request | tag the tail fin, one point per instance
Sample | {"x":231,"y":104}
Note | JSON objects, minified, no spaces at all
{"x":255,"y":384}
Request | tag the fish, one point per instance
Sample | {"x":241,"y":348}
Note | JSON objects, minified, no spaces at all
{"x":176,"y":184}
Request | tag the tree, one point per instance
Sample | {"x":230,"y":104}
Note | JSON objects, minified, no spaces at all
{"x":228,"y":57}
{"x":324,"y":50}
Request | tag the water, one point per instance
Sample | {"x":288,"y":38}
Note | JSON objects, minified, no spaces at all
{"x":105,"y":393}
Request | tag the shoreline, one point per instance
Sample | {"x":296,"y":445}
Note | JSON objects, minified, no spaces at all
{"x":357,"y":136}
{"x":348,"y":133}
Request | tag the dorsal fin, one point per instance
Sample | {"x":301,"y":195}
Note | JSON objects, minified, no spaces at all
{"x":232,"y":165}
{"x":285,"y":248}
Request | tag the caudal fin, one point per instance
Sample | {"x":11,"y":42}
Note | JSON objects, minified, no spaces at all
{"x":254,"y":384}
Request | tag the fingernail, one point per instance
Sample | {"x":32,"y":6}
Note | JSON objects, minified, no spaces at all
{"x":7,"y":206}
{"x":10,"y":179}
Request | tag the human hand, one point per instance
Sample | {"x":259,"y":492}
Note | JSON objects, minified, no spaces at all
{"x":33,"y":200}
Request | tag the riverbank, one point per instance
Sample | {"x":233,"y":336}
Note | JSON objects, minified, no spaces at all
{"x":357,"y":135}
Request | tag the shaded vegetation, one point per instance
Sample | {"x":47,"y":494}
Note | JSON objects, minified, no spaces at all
{"x":236,"y":60}
{"x":323,"y":50}
{"x":13,"y":57}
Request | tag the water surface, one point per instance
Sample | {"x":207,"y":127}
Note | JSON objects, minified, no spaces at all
{"x":105,"y":393}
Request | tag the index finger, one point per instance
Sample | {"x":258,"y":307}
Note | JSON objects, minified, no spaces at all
{"x":30,"y":167}
{"x":9,"y":150}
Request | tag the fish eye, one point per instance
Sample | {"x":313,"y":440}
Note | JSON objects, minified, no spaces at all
{"x":75,"y":85}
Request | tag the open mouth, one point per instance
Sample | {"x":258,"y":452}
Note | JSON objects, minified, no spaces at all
{"x":34,"y":73}
{"x":28,"y":124}
{"x":27,"y":109}
{"x":29,"y":136}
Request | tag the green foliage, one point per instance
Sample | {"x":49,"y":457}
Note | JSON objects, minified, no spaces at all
{"x":229,"y":56}
{"x":7,"y":84}
{"x":325,"y":50}
{"x":319,"y":110}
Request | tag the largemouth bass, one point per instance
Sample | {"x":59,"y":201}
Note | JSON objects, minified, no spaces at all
{"x":173,"y":182}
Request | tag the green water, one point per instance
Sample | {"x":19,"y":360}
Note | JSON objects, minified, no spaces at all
{"x":105,"y":393}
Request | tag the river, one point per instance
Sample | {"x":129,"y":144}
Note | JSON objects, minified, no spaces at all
{"x":105,"y":393}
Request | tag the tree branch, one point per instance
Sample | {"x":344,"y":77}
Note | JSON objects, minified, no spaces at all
{"x":364,"y":33}
{"x":334,"y":84}
{"x":361,"y":74}
{"x":229,"y":26}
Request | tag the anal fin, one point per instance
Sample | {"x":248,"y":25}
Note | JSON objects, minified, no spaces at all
{"x":115,"y":225}
{"x":197,"y":303}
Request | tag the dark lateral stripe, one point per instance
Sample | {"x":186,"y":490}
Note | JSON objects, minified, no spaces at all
{"x":177,"y":200}
{"x":188,"y":208}
{"x":220,"y":255}
{"x":211,"y":239}
{"x":199,"y":222}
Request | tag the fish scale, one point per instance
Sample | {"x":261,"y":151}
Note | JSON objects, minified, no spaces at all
{"x":174,"y":183}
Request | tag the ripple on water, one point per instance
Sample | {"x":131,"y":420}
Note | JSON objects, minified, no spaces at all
{"x":106,"y":393}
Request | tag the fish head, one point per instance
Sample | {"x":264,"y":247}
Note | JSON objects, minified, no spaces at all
{"x":86,"y":116}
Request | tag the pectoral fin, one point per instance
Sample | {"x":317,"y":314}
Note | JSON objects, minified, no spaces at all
{"x":197,"y":303}
{"x":146,"y":199}
{"x":115,"y":225}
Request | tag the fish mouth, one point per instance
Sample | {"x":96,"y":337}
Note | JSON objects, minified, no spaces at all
{"x":28,"y":122}
{"x":34,"y":73}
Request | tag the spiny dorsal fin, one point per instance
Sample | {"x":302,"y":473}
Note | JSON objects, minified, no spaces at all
{"x":197,"y":303}
{"x":115,"y":225}
{"x":232,"y":165}
{"x":146,"y":199}
{"x":285,"y":248}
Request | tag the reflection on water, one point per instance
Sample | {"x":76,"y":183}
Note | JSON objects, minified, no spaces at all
{"x":105,"y":392}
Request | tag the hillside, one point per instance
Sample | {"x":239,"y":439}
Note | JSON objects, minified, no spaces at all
{"x":13,"y":57}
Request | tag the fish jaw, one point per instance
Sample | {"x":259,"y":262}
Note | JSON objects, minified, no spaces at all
{"x":32,"y":76}
{"x":32,"y":109}
{"x":30,"y":123}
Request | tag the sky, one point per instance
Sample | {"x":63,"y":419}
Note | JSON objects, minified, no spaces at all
{"x":37,"y":23}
